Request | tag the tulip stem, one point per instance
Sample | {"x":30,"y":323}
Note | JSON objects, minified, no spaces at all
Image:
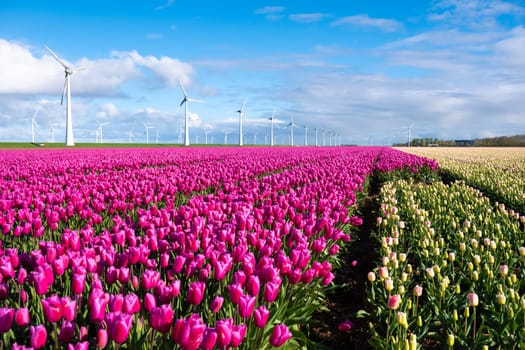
{"x":56,"y":335}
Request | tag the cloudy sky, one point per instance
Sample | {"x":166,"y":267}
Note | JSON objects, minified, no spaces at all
{"x":367,"y":70}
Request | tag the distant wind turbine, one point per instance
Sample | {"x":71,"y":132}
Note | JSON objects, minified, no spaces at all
{"x":34,"y":125}
{"x":100,"y":125}
{"x":272,"y":122}
{"x":305,"y":135}
{"x":147,"y":127}
{"x":69,"y":121}
{"x":131,"y":136}
{"x":241,"y":115}
{"x":316,"y":139}
{"x":291,"y":125}
{"x":52,"y":134}
{"x":185,"y":102}
{"x":254,"y":138}
{"x":206,"y":132}
{"x":226,"y":133}
{"x":157,"y":140}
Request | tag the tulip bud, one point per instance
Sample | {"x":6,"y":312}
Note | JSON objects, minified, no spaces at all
{"x":389,"y":284}
{"x":473,"y":299}
{"x":394,"y":301}
{"x":450,"y":340}
{"x":371,"y":276}
{"x":501,"y":299}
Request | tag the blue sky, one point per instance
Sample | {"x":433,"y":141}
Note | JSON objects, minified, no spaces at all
{"x":367,"y":70}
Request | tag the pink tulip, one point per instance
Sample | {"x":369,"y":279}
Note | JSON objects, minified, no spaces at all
{"x":345,"y":326}
{"x":209,"y":339}
{"x":235,"y":291}
{"x":116,"y":302}
{"x":253,"y":285}
{"x":67,"y":332}
{"x":22,"y":317}
{"x":196,"y":292}
{"x":216,"y":304}
{"x":52,"y":308}
{"x":224,"y":332}
{"x":394,"y":301}
{"x":473,"y":299}
{"x":102,"y":338}
{"x":271,"y":291}
{"x":260,"y":316}
{"x":238,"y":333}
{"x":280,"y":335}
{"x":119,"y":326}
{"x":246,"y":305}
{"x":69,"y":308}
{"x":97,"y":309}
{"x":6,"y":319}
{"x":77,"y":283}
{"x":37,"y":336}
{"x":149,"y":302}
{"x":161,"y":317}
{"x":78,"y":346}
{"x":150,"y":279}
{"x":131,"y":303}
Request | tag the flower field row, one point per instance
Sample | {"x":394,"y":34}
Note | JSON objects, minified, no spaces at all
{"x":498,"y":172}
{"x":451,"y":271}
{"x":190,"y":249}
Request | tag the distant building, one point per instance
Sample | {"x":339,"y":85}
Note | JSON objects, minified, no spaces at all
{"x":463,"y":143}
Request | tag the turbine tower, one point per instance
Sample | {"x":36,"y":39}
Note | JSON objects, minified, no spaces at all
{"x":241,"y":115}
{"x":100,"y":125}
{"x":226,"y":133}
{"x":305,"y":135}
{"x":272,"y":121}
{"x":131,"y":136}
{"x":52,"y":134}
{"x":147,"y":127}
{"x":206,"y":132}
{"x":34,"y":125}
{"x":185,"y":102}
{"x":316,"y":139}
{"x":69,"y":121}
{"x":291,"y":125}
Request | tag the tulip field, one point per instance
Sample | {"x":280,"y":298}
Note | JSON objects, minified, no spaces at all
{"x":222,"y":248}
{"x":451,"y":260}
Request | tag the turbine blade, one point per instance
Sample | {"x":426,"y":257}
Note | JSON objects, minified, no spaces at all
{"x":56,"y":57}
{"x":182,"y":102}
{"x":243,"y":104}
{"x":182,"y":87}
{"x":63,"y":92}
{"x":34,"y":115}
{"x":195,"y":100}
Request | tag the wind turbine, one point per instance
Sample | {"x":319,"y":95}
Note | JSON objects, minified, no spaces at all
{"x":226,"y":133}
{"x":330,"y":136}
{"x":34,"y":125}
{"x":67,"y":91}
{"x":179,"y":135}
{"x":100,"y":125}
{"x":316,"y":139}
{"x":147,"y":127}
{"x":52,"y":134}
{"x":254,"y":138}
{"x":157,"y":140}
{"x":131,"y":136}
{"x":291,"y":125}
{"x":206,"y":135}
{"x":305,"y":135}
{"x":272,"y":121}
{"x":241,"y":115}
{"x":324,"y":139}
{"x":185,"y":102}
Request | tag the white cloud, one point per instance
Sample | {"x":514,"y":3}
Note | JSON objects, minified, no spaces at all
{"x":169,"y":70}
{"x":165,"y":5}
{"x":307,"y":17}
{"x":386,"y":25}
{"x":107,"y":111}
{"x":271,"y":12}
{"x":474,"y":13}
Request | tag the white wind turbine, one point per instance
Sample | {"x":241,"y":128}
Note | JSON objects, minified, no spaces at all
{"x":305,"y":135}
{"x":147,"y":127}
{"x":157,"y":140}
{"x":316,"y":139}
{"x":34,"y":125}
{"x":272,"y":122}
{"x":241,"y":115}
{"x":206,"y":132}
{"x":291,"y":125}
{"x":100,"y":125}
{"x":69,"y":121}
{"x":185,"y":102}
{"x":254,"y":138}
{"x":52,"y":134}
{"x":323,"y":132}
{"x":226,"y":133}
{"x":131,"y":136}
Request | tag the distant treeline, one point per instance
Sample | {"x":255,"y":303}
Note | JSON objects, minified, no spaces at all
{"x":500,"y":141}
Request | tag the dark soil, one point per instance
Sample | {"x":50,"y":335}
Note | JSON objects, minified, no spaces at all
{"x":344,"y":302}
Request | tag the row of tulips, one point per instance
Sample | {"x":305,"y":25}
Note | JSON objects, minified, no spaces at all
{"x":451,"y":270}
{"x":498,"y":172}
{"x":196,"y":248}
